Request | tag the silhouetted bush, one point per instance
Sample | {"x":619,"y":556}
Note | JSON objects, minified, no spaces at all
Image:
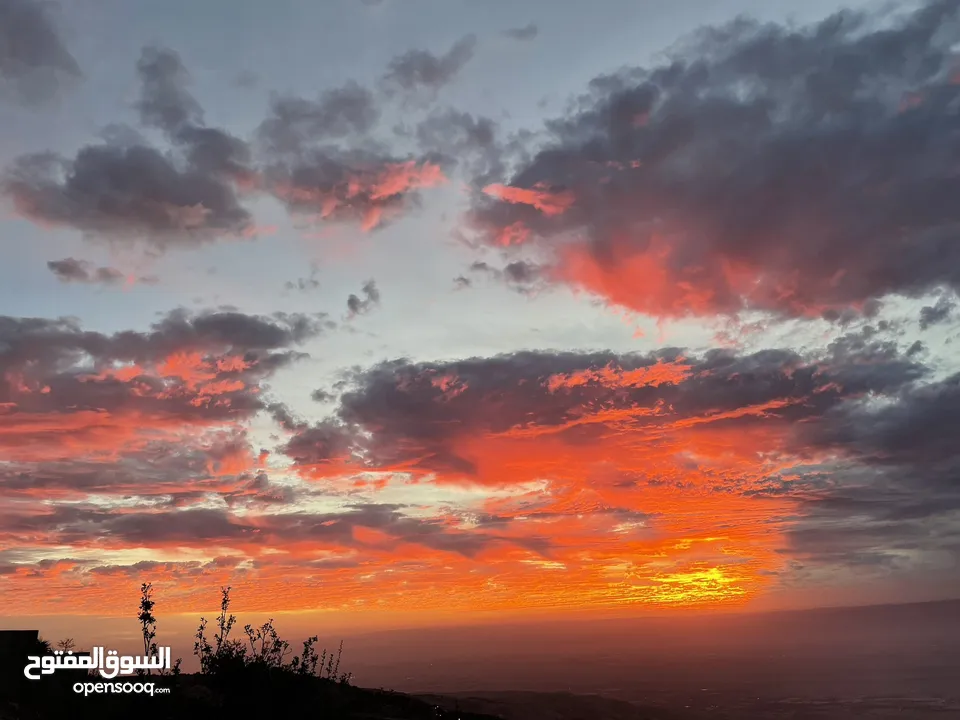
{"x":148,"y":628}
{"x":253,"y":676}
{"x":264,"y":653}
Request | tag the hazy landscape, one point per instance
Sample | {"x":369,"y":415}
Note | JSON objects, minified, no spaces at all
{"x":859,"y":662}
{"x":832,"y":664}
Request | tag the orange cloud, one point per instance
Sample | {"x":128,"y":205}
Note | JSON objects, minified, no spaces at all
{"x":525,"y":482}
{"x":540,"y":197}
{"x":662,"y":372}
{"x":398,"y":178}
{"x":369,"y":195}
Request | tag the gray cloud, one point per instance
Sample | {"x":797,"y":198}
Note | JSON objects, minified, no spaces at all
{"x":296,"y":122}
{"x":78,"y":524}
{"x":940,"y":312}
{"x":128,"y":191}
{"x":794,"y":170}
{"x":125,"y":193}
{"x":919,"y":428}
{"x":402,"y":413}
{"x":880,"y":490}
{"x":158,"y":469}
{"x":357,"y":186}
{"x":80,"y":271}
{"x":874,"y":435}
{"x":419,"y":70}
{"x":527,"y":32}
{"x":133,"y":192}
{"x":165,"y":102}
{"x":464,"y":140}
{"x":61,"y":369}
{"x":33,"y":57}
{"x":519,"y":275}
{"x":371,"y":299}
{"x":453,"y":132}
{"x":305,"y":284}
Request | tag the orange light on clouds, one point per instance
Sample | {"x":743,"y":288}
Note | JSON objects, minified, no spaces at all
{"x":540,"y":197}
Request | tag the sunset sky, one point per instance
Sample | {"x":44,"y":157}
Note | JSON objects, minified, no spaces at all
{"x":426,"y":307}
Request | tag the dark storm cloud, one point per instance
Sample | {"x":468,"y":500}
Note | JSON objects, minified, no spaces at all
{"x":789,"y":170}
{"x":919,"y":427}
{"x":527,"y":32}
{"x":370,"y":300}
{"x":892,"y":515}
{"x":33,"y":58}
{"x":418,"y":70}
{"x":296,"y":122}
{"x":881,"y":485}
{"x":79,"y":271}
{"x":876,"y":544}
{"x":129,"y":191}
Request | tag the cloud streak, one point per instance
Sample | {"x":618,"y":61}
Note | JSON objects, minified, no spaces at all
{"x":71,"y":270}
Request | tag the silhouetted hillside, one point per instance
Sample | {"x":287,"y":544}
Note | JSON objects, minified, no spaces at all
{"x":258,"y":676}
{"x":205,"y":698}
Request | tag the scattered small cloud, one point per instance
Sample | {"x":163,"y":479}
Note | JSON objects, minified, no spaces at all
{"x":306,"y":284}
{"x":421,"y":70}
{"x":527,"y":32}
{"x":520,"y":275}
{"x":370,"y":300}
{"x":71,"y":270}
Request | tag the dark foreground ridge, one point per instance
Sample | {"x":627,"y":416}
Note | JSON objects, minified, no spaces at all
{"x":250,"y":673}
